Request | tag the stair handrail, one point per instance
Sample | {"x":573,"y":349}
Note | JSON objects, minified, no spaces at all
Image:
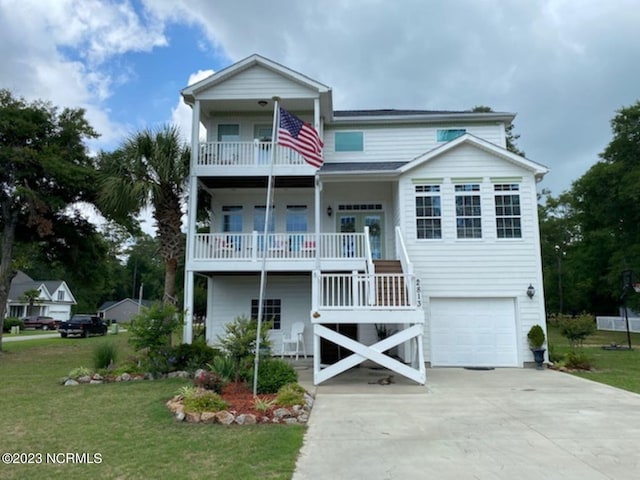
{"x":370,"y":268}
{"x":407,"y":266}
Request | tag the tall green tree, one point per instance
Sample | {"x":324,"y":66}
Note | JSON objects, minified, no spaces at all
{"x":44,"y":168}
{"x":512,"y":137}
{"x":150,"y":169}
{"x":607,"y":204}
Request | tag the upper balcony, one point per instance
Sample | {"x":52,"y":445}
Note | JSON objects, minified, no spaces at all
{"x":251,"y":158}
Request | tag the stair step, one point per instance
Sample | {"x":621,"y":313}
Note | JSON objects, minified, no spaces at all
{"x":387,"y":266}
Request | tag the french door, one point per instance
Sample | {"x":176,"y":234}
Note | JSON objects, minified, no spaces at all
{"x":355,"y":222}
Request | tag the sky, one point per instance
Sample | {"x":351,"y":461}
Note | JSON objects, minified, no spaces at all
{"x":563,"y":66}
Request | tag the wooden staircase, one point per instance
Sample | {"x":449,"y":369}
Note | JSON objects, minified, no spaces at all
{"x":390,"y":284}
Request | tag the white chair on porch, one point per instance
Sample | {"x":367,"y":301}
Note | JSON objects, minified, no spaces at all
{"x":295,"y":338}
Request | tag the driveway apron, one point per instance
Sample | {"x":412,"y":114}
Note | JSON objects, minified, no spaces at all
{"x":471,"y":424}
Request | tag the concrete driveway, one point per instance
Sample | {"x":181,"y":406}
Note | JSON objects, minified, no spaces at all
{"x":471,"y":424}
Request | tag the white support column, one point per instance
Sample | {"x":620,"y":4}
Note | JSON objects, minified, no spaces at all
{"x":192,"y":207}
{"x":209,"y":320}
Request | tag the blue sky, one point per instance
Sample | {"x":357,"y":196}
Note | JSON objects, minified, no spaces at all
{"x":564,"y":66}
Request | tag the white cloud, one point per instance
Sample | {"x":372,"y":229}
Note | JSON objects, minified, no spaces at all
{"x":181,"y":113}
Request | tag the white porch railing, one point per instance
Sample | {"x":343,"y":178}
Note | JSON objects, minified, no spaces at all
{"x":251,"y":246}
{"x":244,"y":154}
{"x":362,"y":291}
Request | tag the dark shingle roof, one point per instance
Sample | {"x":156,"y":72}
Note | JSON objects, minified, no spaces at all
{"x":393,"y":112}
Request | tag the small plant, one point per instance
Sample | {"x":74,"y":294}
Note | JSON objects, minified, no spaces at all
{"x":555,"y":356}
{"x":79,"y":372}
{"x":239,"y":342}
{"x":536,"y":337}
{"x":209,"y":381}
{"x":204,"y":401}
{"x":382,"y":331}
{"x":273,"y":374}
{"x":577,"y":329}
{"x":263,"y":404}
{"x":223,"y":366}
{"x":105,"y":355}
{"x":187,"y":391}
{"x":152,"y":329}
{"x":290,"y":394}
{"x":578,"y":361}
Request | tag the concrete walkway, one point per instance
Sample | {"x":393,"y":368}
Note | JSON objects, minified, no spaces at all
{"x":471,"y":424}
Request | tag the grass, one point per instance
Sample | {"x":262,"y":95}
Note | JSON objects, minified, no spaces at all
{"x":127,"y":423}
{"x":618,"y":368}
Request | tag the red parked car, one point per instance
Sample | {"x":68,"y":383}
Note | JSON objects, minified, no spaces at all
{"x":40,"y":321}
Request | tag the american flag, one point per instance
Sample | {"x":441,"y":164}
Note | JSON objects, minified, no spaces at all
{"x":300,"y":136}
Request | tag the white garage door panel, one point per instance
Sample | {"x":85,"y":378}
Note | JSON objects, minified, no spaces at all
{"x":473,"y":332}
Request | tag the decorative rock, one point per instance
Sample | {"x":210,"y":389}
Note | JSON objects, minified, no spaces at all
{"x":208,"y":417}
{"x":71,"y":383}
{"x":290,"y":421}
{"x":303,"y":418}
{"x":224,"y":417}
{"x":308,"y":399}
{"x":125,"y":377}
{"x":96,"y":382}
{"x":193,"y":417}
{"x":178,"y":374}
{"x":63,"y":380}
{"x":198,"y":372}
{"x":97,"y":376}
{"x":84,"y":379}
{"x":137,"y":377}
{"x":180,"y":416}
{"x":280,"y":413}
{"x":246,"y":419}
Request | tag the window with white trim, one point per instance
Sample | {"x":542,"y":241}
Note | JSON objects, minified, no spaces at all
{"x":271,"y":311}
{"x":468,"y":211}
{"x":508,"y":216}
{"x":448,"y":134}
{"x":61,"y":295}
{"x":428,"y":212}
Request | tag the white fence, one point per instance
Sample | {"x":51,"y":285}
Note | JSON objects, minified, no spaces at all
{"x":618,"y":324}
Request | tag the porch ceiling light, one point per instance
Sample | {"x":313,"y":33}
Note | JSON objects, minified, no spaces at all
{"x":531,"y":291}
{"x":262,"y":103}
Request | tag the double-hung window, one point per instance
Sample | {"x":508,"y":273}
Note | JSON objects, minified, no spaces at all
{"x":428,"y":212}
{"x":271,"y":311}
{"x":468,"y":211}
{"x":508,"y":217}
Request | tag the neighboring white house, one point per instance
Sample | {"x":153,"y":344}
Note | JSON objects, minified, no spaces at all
{"x":55,"y":298}
{"x":420,"y":221}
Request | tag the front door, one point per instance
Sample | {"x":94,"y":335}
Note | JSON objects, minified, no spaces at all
{"x":355,"y":222}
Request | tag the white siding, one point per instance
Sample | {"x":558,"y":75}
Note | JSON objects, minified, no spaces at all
{"x":231,"y":297}
{"x":480,"y":268}
{"x":400,"y":142}
{"x":257,"y":82}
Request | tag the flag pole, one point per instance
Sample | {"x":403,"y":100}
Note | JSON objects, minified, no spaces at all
{"x":263,"y":271}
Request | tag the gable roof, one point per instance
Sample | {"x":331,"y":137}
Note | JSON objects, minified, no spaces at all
{"x":537,"y":169}
{"x":23,"y":282}
{"x":220,"y":76}
{"x":115,"y":303}
{"x":409,"y":116}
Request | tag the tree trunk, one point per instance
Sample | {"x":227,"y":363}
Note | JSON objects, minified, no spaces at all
{"x":171,"y":268}
{"x":6,"y":272}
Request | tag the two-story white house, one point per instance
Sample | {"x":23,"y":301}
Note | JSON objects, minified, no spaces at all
{"x":419,"y":223}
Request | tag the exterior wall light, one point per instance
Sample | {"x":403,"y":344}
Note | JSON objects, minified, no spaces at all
{"x":329,"y":211}
{"x":262,"y":103}
{"x":531,"y":291}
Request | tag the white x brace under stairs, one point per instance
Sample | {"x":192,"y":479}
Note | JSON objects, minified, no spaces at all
{"x":386,"y":293}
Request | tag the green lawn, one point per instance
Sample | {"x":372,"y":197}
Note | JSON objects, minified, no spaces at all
{"x":619,"y":368}
{"x":126,"y":423}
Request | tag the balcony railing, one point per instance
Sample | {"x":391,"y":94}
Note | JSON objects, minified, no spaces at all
{"x":366,"y":291}
{"x":246,"y":154}
{"x":285,"y":246}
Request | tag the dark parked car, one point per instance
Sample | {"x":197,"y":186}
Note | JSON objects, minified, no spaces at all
{"x":40,"y":321}
{"x":83,"y":325}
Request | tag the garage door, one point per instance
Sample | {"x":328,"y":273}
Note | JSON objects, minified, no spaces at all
{"x":478,"y":332}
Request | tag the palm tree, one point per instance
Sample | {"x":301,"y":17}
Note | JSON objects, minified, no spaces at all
{"x":31,"y":297}
{"x":150,"y":169}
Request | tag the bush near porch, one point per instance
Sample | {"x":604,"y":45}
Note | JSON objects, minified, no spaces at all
{"x":128,"y":424}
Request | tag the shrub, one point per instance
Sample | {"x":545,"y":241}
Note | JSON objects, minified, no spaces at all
{"x":193,"y":356}
{"x":12,"y":322}
{"x":263,"y":404}
{"x":578,"y":361}
{"x":204,"y":401}
{"x":239,"y":343}
{"x":152,"y":329}
{"x":290,"y":394}
{"x":79,"y":372}
{"x":536,"y":337}
{"x":209,"y":381}
{"x":577,"y":329}
{"x":223,"y":366}
{"x":554,"y":356}
{"x":273,"y":374}
{"x":105,"y":355}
